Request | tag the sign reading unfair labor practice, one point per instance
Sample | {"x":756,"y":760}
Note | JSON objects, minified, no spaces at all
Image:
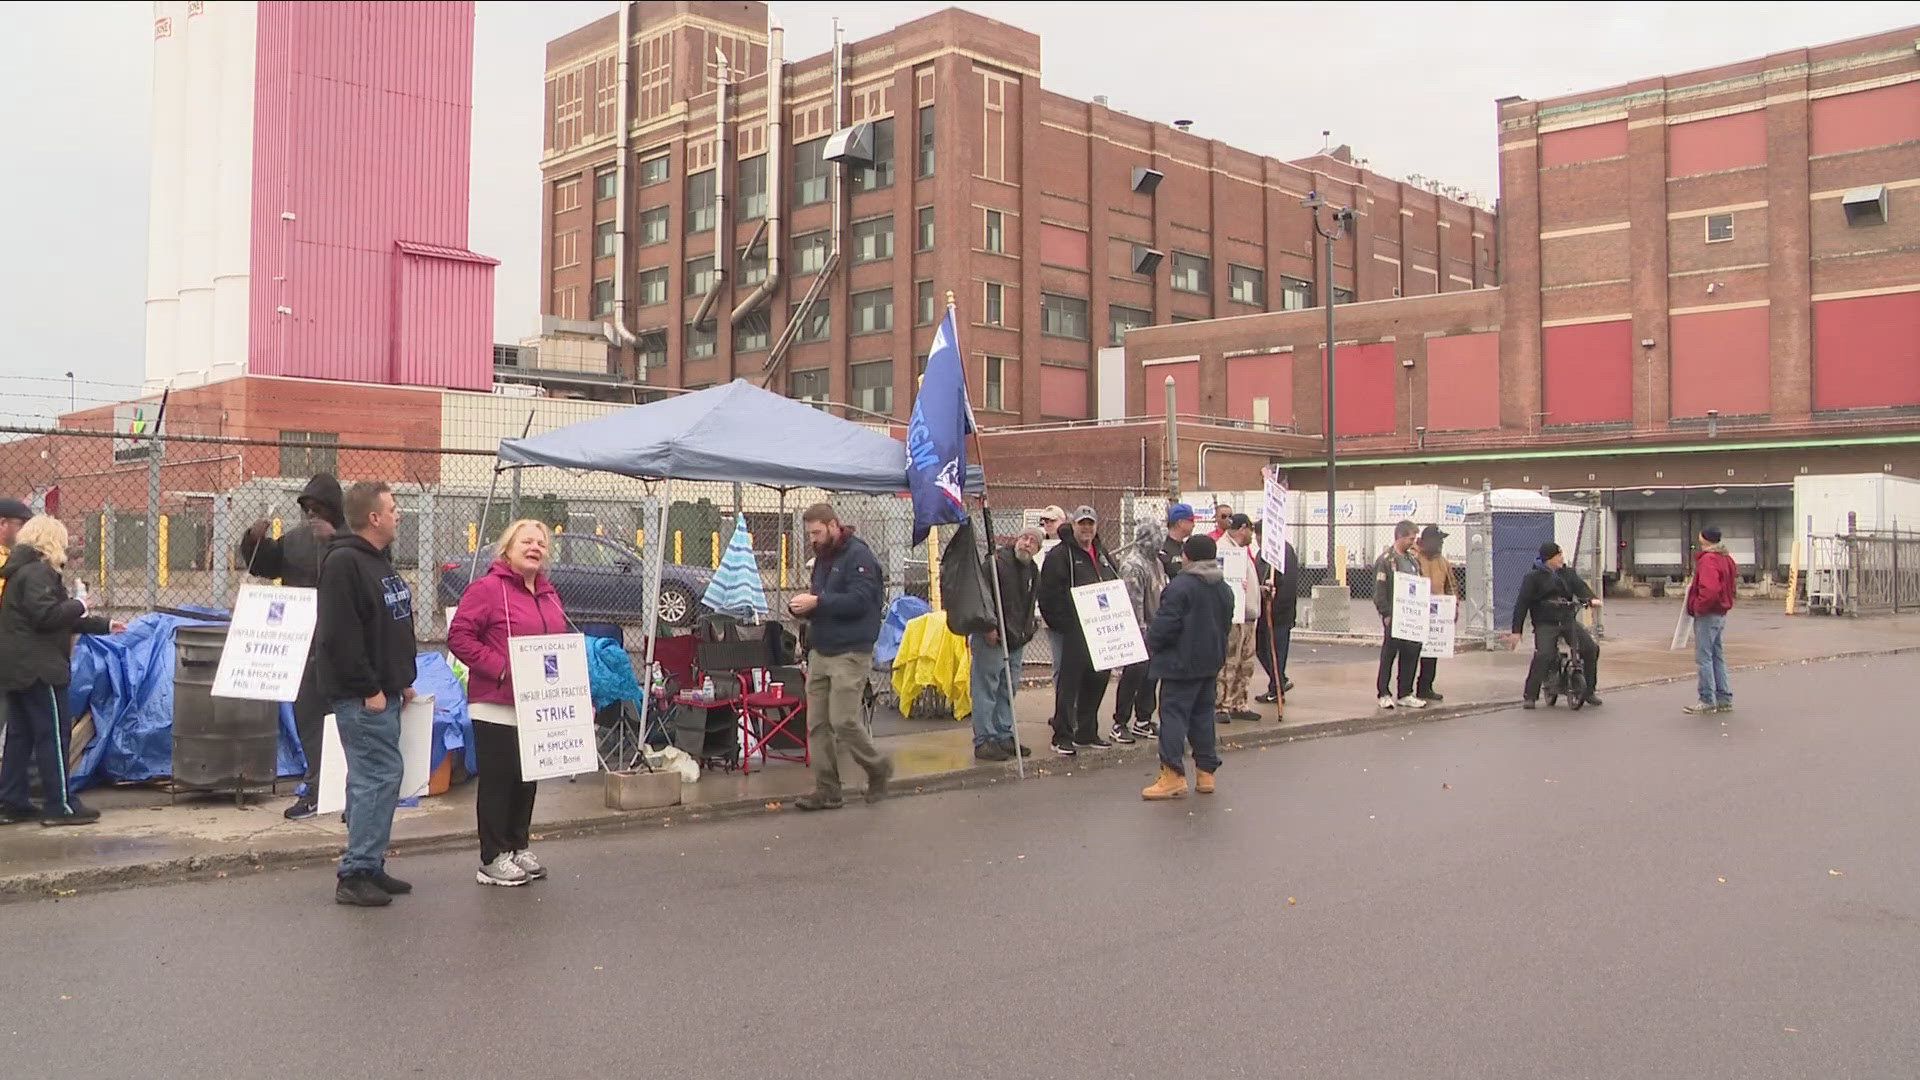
{"x":267,"y":643}
{"x":1106,"y":618}
{"x":553,"y":705}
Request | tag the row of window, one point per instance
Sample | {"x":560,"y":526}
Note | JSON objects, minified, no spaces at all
{"x":870,"y":385}
{"x":872,"y":313}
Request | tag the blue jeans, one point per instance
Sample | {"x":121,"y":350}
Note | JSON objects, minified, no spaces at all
{"x":1186,"y":716}
{"x":372,"y":744}
{"x":992,"y":693}
{"x":1710,"y":656}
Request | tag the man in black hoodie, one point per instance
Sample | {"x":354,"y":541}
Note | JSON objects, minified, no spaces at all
{"x":1551,"y":593}
{"x":1078,"y":559}
{"x":365,"y":667}
{"x":294,"y":558}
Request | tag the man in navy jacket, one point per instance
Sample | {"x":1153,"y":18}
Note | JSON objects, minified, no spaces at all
{"x":843,"y":613}
{"x":1188,"y":643}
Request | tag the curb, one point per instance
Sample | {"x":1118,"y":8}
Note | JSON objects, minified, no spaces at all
{"x":64,"y":883}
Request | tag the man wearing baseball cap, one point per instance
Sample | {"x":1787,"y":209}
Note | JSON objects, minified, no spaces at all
{"x":1180,"y":525}
{"x":1079,"y":559}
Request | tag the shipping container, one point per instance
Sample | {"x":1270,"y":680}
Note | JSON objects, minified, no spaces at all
{"x":1855,"y":502}
{"x":1423,"y":504}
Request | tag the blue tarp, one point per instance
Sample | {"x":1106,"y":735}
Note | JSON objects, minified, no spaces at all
{"x":610,"y":670}
{"x":894,"y":629}
{"x":126,"y":682}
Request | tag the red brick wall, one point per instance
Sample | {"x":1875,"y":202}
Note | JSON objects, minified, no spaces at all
{"x":1720,"y":362}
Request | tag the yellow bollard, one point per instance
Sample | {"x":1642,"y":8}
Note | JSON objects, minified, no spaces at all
{"x":103,"y":552}
{"x":1793,"y":579}
{"x":473,"y":537}
{"x":162,"y":568}
{"x":1340,"y":564}
{"x":640,"y":539}
{"x":676,"y":547}
{"x":933,"y":567}
{"x":714,"y":559}
{"x":783,"y":561}
{"x":276,"y":528}
{"x":558,"y":529}
{"x":599,"y":529}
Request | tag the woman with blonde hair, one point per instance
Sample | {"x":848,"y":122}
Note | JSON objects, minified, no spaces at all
{"x":37,"y":623}
{"x":514,"y":598}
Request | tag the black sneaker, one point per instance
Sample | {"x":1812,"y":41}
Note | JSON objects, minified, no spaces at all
{"x":1286,"y":687}
{"x":359,"y":890}
{"x":1268,"y":698}
{"x":75,"y":815}
{"x":1122,"y":736}
{"x":1064,"y":749}
{"x":18,"y":815}
{"x":1145,"y":729}
{"x":992,"y":751}
{"x":877,"y":782}
{"x":1529,"y":704}
{"x":391,"y":885}
{"x":1223,"y":717}
{"x":1095,"y":743}
{"x":1433,"y":697}
{"x":1593,"y":699}
{"x":817,"y":801}
{"x":1244,"y":715}
{"x":1013,"y":748}
{"x":303,"y":808}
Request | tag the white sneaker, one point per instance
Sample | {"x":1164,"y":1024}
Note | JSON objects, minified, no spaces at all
{"x":525,"y":861}
{"x":1411,"y":702}
{"x":1387,"y":702}
{"x":501,"y":871}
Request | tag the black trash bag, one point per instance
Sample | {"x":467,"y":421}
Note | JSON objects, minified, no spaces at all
{"x":964,"y":591}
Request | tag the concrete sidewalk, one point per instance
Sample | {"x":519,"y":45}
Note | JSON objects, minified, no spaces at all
{"x":144,"y":835}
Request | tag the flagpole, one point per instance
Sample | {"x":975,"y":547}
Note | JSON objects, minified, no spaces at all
{"x":993,"y":569}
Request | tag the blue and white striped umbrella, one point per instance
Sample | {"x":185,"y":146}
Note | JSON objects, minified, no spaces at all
{"x":736,"y":589}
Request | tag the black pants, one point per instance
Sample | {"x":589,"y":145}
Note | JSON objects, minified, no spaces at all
{"x":309,"y":722}
{"x":1186,"y":719}
{"x":1424,"y":684}
{"x":1270,"y":647}
{"x":1394,"y":653}
{"x":504,"y":802}
{"x":39,"y":732}
{"x":1545,"y":655}
{"x":1077,"y":690}
{"x":1133,"y":698}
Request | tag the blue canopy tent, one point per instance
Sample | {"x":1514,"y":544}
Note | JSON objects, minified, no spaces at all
{"x":736,"y":433}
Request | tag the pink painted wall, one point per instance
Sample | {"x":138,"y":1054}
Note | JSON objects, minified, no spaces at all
{"x":1270,"y":377}
{"x":1186,"y":388}
{"x":1063,"y":392}
{"x":1866,"y":352}
{"x":363,"y":131}
{"x":1721,"y":361}
{"x":1590,"y":143}
{"x":1866,"y":118}
{"x":1463,"y":382}
{"x":1724,"y":142}
{"x":1365,"y":392}
{"x":1588,"y":373}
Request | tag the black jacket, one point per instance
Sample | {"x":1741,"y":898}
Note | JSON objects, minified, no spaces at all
{"x":1067,"y":566}
{"x":847,"y":582}
{"x":1286,"y":585}
{"x":295,"y":557}
{"x":1548,"y":596}
{"x":1018,"y":579}
{"x":364,"y":643}
{"x":37,"y":623}
{"x":1173,"y":556}
{"x":1188,"y":638}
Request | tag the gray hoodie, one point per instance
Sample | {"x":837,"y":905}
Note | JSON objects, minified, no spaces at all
{"x":1141,"y":569}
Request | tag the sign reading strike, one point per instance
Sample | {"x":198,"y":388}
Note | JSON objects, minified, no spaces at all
{"x":1106,"y":618}
{"x":553,"y":706}
{"x":267,"y":643}
{"x":1440,"y":627}
{"x":1411,"y":611}
{"x":1273,"y":518}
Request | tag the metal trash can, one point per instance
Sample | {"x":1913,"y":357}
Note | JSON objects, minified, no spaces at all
{"x":219,"y":743}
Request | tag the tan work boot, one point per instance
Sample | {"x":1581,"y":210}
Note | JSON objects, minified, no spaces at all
{"x":1202,"y":781}
{"x":1171,"y":785}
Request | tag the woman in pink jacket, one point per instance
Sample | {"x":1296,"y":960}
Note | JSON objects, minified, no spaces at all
{"x":514,"y":598}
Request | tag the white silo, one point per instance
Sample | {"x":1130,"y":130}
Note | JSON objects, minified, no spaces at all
{"x":202,"y":177}
{"x":237,"y":24}
{"x":164,"y":200}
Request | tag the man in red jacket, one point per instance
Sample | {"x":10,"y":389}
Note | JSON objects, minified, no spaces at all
{"x":1709,"y":599}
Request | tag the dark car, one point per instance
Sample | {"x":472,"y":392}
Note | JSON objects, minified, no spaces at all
{"x":599,"y":580}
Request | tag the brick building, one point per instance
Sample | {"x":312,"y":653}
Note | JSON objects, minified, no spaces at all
{"x":1057,"y":224}
{"x":1710,"y":284}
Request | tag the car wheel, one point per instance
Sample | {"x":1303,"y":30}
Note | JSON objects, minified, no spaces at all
{"x":676,"y":605}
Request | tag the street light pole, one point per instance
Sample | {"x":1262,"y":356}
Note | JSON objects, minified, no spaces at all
{"x":1342,"y":218}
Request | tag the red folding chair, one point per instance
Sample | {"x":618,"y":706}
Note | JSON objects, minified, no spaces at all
{"x":770,"y":714}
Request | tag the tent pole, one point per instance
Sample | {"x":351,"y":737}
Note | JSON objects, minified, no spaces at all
{"x":652,"y":604}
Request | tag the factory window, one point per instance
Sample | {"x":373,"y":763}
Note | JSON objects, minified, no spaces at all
{"x":996,"y":304}
{"x":873,"y":240}
{"x":926,"y":140}
{"x":923,"y":303}
{"x":1246,"y":286}
{"x":700,"y":275}
{"x":817,"y":325}
{"x":309,"y":452}
{"x":602,"y":298}
{"x":810,"y":253}
{"x":700,"y":343}
{"x":603,"y":240}
{"x":753,"y":265}
{"x":653,"y":286}
{"x":996,"y":234}
{"x":655,"y":170}
{"x":566,"y":249}
{"x":604,"y":184}
{"x":700,"y":193}
{"x":752,"y":182}
{"x":924,"y":223}
{"x":1063,"y":316}
{"x":872,"y":386}
{"x":1295,"y":294}
{"x":996,"y":383}
{"x":753,"y":333}
{"x":873,"y":311}
{"x":566,"y":195}
{"x":1122,"y":319}
{"x":1719,"y":228}
{"x":1191,"y":272}
{"x":808,"y":385}
{"x":880,"y":173}
{"x":810,"y":172}
{"x":653,"y":226}
{"x":652,"y":350}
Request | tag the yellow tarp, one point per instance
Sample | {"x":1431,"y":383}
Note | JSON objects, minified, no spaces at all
{"x":932,"y":655}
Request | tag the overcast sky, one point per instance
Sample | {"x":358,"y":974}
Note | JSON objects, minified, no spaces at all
{"x":1410,"y":85}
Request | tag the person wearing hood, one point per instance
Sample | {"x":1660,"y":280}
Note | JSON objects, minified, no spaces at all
{"x":1079,"y":559}
{"x":1188,"y":643}
{"x":513,"y":599}
{"x":1709,"y":598}
{"x":1550,"y":594}
{"x":998,"y":652}
{"x":1146,"y":579}
{"x":37,"y":623}
{"x":366,"y":669}
{"x":843,"y":610}
{"x":294,"y":558}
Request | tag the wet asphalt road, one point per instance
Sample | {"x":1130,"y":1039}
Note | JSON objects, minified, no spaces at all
{"x":1511,"y":895}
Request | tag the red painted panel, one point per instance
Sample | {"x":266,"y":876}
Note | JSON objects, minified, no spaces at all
{"x":362,"y":132}
{"x":1720,"y":361}
{"x":430,"y":348}
{"x":1269,"y":377}
{"x":1364,"y":402}
{"x":1588,"y":372}
{"x":1724,"y":142}
{"x":1866,"y":118}
{"x":1463,"y":382}
{"x":1063,"y":392}
{"x":1866,"y":352}
{"x":1061,"y":246}
{"x":1590,"y":143}
{"x":1186,"y":387}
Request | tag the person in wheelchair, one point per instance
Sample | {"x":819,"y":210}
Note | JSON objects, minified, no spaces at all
{"x":1552,"y":594}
